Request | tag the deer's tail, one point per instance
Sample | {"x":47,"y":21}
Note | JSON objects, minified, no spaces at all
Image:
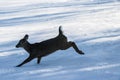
{"x":60,"y":30}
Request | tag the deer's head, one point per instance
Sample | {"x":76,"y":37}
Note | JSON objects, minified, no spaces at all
{"x":22,"y":42}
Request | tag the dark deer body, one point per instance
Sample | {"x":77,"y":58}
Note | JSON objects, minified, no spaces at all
{"x":44,"y":48}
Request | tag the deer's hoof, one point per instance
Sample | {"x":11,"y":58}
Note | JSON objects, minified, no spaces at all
{"x":82,"y":53}
{"x":18,"y":65}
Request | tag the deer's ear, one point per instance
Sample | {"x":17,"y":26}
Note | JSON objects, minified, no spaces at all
{"x":26,"y":36}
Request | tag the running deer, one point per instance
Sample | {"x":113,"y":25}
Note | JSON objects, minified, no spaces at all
{"x":44,"y":48}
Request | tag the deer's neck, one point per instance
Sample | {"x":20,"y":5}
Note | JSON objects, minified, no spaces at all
{"x":27,"y":47}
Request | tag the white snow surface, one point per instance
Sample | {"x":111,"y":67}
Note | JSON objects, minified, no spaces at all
{"x":94,"y":25}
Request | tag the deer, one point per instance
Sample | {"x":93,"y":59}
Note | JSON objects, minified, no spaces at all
{"x":44,"y":48}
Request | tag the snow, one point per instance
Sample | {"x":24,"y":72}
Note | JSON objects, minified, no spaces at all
{"x":93,"y":24}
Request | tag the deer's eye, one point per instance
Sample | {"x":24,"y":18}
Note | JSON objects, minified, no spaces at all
{"x":22,"y":41}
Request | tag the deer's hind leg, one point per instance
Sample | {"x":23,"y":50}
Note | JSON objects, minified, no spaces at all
{"x":71,"y":44}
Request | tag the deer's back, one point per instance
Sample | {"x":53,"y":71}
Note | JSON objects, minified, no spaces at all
{"x":48,"y":46}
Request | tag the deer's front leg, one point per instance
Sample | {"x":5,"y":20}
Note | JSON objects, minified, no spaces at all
{"x":38,"y":60}
{"x":26,"y":61}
